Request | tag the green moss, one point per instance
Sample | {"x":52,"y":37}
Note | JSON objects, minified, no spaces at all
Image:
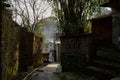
{"x":37,"y":52}
{"x":9,"y":49}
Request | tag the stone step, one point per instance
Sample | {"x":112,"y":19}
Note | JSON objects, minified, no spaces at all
{"x":101,"y":70}
{"x":110,"y":53}
{"x":107,"y":64}
{"x":98,"y":72}
{"x":116,"y":78}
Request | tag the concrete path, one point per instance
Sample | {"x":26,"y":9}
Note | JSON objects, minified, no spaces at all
{"x":46,"y":73}
{"x":49,"y":73}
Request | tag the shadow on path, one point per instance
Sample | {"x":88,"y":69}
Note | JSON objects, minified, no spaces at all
{"x":46,"y":73}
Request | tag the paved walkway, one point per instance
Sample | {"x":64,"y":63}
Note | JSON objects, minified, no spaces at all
{"x":46,"y":73}
{"x":49,"y":73}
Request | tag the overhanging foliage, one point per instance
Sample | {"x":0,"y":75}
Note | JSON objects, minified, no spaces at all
{"x":74,"y":13}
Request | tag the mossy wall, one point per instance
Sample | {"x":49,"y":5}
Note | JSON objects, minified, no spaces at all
{"x":20,"y":49}
{"x":37,"y":51}
{"x":9,"y":48}
{"x":30,"y":52}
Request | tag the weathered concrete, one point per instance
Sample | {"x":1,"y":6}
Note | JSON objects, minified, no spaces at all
{"x":46,"y":73}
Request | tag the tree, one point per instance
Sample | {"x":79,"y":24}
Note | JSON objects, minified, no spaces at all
{"x":73,"y":14}
{"x":29,"y":12}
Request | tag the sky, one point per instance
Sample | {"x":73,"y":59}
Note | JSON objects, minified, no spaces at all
{"x":41,"y":5}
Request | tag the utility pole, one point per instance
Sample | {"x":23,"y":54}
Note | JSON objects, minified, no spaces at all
{"x":54,"y":46}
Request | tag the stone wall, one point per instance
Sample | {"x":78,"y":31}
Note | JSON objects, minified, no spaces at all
{"x":25,"y":49}
{"x":10,"y":50}
{"x":102,"y":31}
{"x":37,"y":51}
{"x":106,"y":30}
{"x":76,"y":51}
{"x":20,"y":49}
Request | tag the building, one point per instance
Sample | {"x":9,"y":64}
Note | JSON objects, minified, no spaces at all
{"x":106,"y":38}
{"x":106,"y":28}
{"x":51,"y":39}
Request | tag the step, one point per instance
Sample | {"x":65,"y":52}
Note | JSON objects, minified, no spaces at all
{"x":107,"y":64}
{"x":117,"y":61}
{"x":99,"y":73}
{"x":109,"y":53}
{"x":102,"y":71}
{"x":116,"y":78}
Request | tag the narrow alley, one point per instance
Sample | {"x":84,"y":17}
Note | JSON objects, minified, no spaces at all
{"x":53,"y":71}
{"x":60,"y":40}
{"x":45,"y":73}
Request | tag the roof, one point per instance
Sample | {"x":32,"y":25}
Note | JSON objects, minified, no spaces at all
{"x":112,"y":3}
{"x":101,"y":17}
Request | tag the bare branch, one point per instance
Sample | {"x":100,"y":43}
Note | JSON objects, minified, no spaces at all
{"x":30,"y":11}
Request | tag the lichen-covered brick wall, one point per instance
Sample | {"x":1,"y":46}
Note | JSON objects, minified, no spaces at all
{"x":37,"y":51}
{"x":9,"y":48}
